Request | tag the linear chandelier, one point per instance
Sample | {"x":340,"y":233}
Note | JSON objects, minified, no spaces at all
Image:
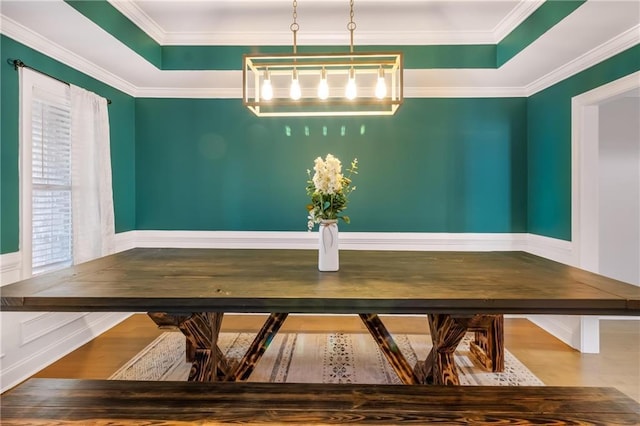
{"x":322,"y":84}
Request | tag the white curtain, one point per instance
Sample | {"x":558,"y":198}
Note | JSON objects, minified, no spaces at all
{"x":92,"y":197}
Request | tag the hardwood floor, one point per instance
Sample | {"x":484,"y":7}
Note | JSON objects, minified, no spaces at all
{"x":617,"y":365}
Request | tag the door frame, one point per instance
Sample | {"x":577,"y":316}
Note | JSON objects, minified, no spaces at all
{"x":584,"y":187}
{"x":585,"y":157}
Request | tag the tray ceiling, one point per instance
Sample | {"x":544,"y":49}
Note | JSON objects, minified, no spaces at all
{"x":325,"y":21}
{"x":594,"y":31}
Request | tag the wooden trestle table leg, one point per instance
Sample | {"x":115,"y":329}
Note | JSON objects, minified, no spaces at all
{"x":202,"y":329}
{"x":258,"y":346}
{"x":389,"y":349}
{"x":488,"y":343}
{"x":446,"y":333}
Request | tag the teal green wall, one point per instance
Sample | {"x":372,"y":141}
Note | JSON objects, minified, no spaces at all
{"x":438,"y":165}
{"x":122,"y":125}
{"x":549,"y":143}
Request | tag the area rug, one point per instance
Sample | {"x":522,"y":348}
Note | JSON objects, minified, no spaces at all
{"x":318,"y":358}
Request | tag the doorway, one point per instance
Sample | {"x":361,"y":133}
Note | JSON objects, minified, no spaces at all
{"x":600,"y":137}
{"x":606,"y":187}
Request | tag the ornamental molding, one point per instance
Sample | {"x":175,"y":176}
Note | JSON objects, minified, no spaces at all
{"x":31,"y":39}
{"x":510,"y":22}
{"x":35,"y":41}
{"x":283,"y":38}
{"x":599,"y":54}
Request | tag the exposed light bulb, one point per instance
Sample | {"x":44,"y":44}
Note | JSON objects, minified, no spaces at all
{"x":381,"y":85}
{"x":323,"y":86}
{"x":323,"y":89}
{"x":351,"y":91}
{"x":295,"y":92}
{"x":267,"y":88}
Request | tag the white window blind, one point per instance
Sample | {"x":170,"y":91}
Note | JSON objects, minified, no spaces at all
{"x":51,"y":238}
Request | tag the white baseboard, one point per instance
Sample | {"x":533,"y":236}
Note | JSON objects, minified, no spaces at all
{"x":10,"y":268}
{"x":125,"y":241}
{"x":348,"y":240}
{"x":561,"y":326}
{"x":551,"y":248}
{"x":618,"y":318}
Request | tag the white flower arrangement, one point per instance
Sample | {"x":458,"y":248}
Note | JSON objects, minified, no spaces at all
{"x":329,"y":190}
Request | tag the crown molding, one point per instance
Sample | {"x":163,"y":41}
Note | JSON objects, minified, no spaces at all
{"x":409,"y":92}
{"x":616,"y":45}
{"x":191,"y":93}
{"x":464,"y":92}
{"x":143,"y":21}
{"x":213,"y":38}
{"x":35,"y":41}
{"x":282,"y":38}
{"x":510,"y":22}
{"x":31,"y":39}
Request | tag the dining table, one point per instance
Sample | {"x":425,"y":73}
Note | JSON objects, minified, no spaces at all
{"x":191,"y":289}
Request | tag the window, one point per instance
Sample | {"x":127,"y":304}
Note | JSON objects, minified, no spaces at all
{"x":66,"y":198}
{"x":51,"y":237}
{"x":46,"y":216}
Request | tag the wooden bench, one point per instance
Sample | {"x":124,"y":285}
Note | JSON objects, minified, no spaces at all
{"x":102,"y":402}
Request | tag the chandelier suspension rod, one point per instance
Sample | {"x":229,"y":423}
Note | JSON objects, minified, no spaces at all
{"x":294,"y":27}
{"x":351,"y":26}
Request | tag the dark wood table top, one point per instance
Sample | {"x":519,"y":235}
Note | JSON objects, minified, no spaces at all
{"x":399,"y":282}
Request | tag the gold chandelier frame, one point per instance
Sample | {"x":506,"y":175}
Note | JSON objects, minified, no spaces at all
{"x":376,"y":80}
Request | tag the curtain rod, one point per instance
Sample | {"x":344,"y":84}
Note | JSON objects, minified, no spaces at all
{"x":17,"y":63}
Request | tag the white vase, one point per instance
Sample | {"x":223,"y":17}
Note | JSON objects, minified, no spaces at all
{"x":328,"y":259}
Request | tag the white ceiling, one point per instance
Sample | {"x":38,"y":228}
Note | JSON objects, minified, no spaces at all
{"x":595,"y":31}
{"x":325,"y":21}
